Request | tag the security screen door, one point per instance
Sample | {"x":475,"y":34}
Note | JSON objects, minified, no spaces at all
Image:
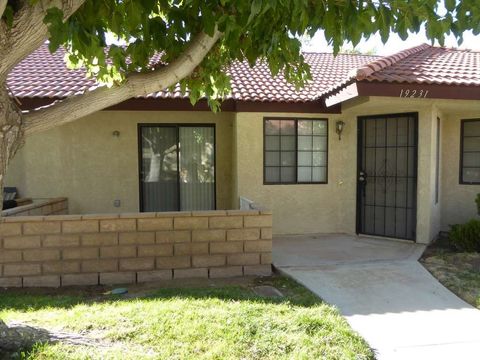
{"x":387,"y":175}
{"x":177,"y":167}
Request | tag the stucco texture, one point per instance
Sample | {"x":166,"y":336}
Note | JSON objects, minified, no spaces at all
{"x":331,"y":208}
{"x":84,"y":162}
{"x":297,"y":208}
{"x":458,"y":200}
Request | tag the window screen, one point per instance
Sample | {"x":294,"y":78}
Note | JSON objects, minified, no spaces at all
{"x":470,"y":156}
{"x":295,"y":151}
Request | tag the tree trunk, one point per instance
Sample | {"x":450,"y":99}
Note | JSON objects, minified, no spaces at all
{"x":14,"y":125}
{"x":11,"y":133}
{"x":136,"y":84}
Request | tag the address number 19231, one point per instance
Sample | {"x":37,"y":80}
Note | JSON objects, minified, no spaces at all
{"x":413,"y":93}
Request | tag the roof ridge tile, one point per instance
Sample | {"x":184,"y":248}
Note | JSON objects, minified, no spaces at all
{"x":368,"y":69}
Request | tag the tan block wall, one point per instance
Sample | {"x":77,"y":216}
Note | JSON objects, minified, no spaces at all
{"x":58,"y":206}
{"x":65,"y":250}
{"x":84,"y":162}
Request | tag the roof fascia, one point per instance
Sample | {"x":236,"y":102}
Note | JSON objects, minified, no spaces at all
{"x":404,"y":90}
{"x":344,"y":94}
{"x":182,"y":104}
{"x":418,"y":91}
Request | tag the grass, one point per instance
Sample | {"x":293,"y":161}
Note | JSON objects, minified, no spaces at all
{"x":459,"y":272}
{"x":220,"y":322}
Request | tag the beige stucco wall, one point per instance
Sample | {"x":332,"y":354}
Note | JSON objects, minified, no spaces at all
{"x":436,"y":212}
{"x":297,"y":208}
{"x":329,"y":208}
{"x":86,"y":163}
{"x":426,"y":230}
{"x":458,"y":201}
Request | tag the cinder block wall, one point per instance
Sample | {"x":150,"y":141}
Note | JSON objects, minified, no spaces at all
{"x":57,"y":206}
{"x":63,"y":250}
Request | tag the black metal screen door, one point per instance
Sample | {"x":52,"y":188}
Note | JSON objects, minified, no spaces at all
{"x":387,"y":175}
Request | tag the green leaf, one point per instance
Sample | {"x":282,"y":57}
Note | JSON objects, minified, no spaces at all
{"x":256,"y":30}
{"x":450,"y":5}
{"x":54,"y":21}
{"x":208,"y":20}
{"x":8,"y":16}
{"x":254,"y":9}
{"x":54,"y":16}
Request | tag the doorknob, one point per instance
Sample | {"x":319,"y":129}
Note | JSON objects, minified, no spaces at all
{"x":362,"y":176}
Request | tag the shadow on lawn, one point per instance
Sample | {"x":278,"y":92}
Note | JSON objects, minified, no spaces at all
{"x":34,"y":299}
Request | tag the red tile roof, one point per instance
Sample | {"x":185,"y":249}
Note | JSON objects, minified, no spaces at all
{"x":423,"y":64}
{"x":257,"y":84}
{"x":44,"y":75}
{"x":433,"y":65}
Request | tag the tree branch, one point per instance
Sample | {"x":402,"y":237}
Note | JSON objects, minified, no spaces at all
{"x":136,"y":84}
{"x":28,"y":31}
{"x":3,"y":5}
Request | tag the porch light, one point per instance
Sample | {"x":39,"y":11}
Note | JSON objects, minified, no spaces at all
{"x":339,"y":125}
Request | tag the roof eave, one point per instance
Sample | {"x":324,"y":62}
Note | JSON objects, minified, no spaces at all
{"x":343,"y":94}
{"x":403,"y":90}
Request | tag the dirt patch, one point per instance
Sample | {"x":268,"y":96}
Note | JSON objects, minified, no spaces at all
{"x":267,"y":291}
{"x":140,"y":290}
{"x":459,"y":272}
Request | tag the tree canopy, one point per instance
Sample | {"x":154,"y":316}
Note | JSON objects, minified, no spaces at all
{"x":193,"y":41}
{"x":251,"y":30}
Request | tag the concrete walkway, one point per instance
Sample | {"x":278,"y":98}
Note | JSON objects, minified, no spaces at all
{"x":385,"y":294}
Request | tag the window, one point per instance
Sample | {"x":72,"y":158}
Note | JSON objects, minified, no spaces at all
{"x":177,"y":167}
{"x":295,"y":151}
{"x":470,"y":152}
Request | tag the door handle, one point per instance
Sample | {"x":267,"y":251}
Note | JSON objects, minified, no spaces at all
{"x":362,"y":176}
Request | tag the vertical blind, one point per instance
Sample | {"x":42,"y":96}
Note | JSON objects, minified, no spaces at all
{"x":177,"y":168}
{"x":197,"y":178}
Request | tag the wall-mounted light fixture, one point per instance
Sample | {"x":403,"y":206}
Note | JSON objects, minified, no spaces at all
{"x":339,"y":126}
{"x":116,"y":133}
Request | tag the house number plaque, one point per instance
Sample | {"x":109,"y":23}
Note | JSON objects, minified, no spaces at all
{"x":413,"y":93}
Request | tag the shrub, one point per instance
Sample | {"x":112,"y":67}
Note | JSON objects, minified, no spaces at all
{"x":466,"y":237}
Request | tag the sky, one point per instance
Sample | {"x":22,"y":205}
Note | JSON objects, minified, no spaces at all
{"x":393,"y":45}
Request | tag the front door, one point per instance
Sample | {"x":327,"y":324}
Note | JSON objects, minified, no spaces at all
{"x":387,"y":175}
{"x":177,"y":167}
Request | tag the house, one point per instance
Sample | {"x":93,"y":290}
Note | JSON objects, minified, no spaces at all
{"x":385,"y":146}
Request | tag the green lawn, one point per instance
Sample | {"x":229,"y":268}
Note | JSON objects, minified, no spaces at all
{"x":212,"y":322}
